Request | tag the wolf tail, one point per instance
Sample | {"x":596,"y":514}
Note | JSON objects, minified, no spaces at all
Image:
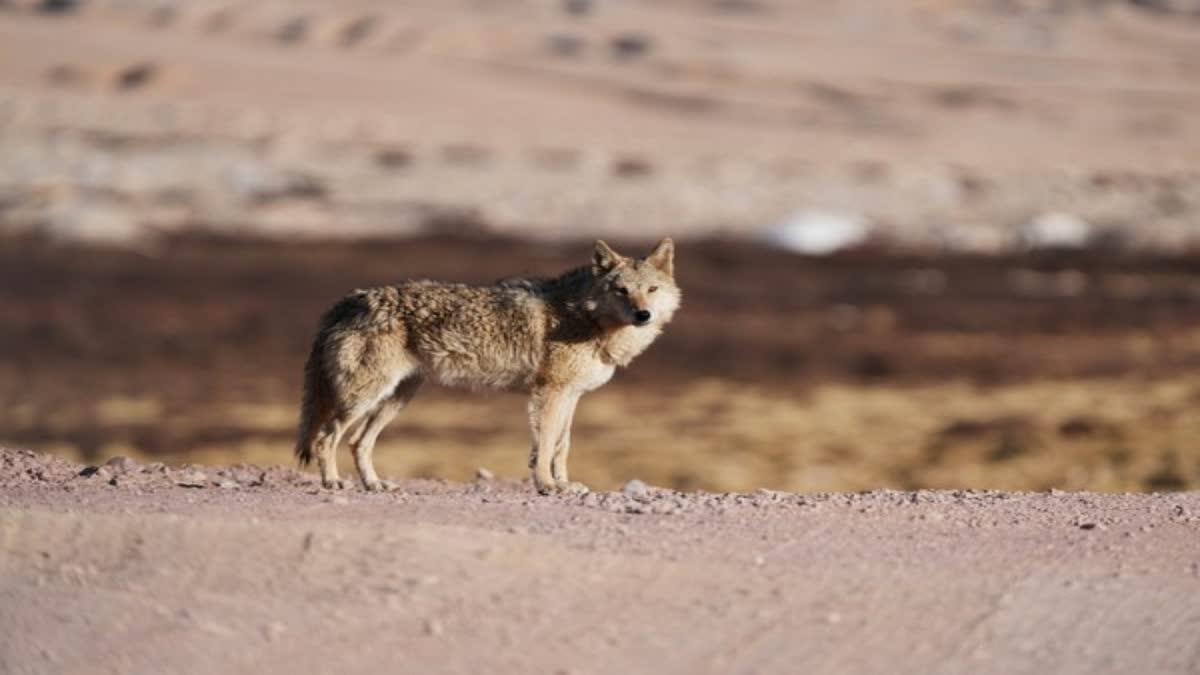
{"x":314,"y":405}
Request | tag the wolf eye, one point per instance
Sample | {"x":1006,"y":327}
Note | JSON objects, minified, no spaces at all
{"x":621,"y":290}
{"x":652,"y":289}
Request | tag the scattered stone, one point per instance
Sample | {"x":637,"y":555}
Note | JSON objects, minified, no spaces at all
{"x":393,"y":158}
{"x":96,"y":472}
{"x":192,"y":479}
{"x":483,"y":473}
{"x":632,"y":167}
{"x":121,"y":464}
{"x":433,"y":627}
{"x":135,"y":76}
{"x":358,"y":30}
{"x":1089,"y":526}
{"x":630,"y":45}
{"x":228,"y":485}
{"x":636,"y":489}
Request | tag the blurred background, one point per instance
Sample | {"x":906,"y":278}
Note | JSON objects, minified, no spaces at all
{"x":923,"y":243}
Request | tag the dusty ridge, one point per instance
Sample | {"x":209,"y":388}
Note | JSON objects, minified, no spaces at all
{"x":942,"y":123}
{"x":249,"y":569}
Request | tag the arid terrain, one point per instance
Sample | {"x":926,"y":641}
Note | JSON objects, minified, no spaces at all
{"x":932,"y":403}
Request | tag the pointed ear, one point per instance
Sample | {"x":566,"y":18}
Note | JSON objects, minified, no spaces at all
{"x":663,"y":256}
{"x":604,"y":259}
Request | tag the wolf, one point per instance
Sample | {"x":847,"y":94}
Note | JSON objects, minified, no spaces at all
{"x":557,"y":338}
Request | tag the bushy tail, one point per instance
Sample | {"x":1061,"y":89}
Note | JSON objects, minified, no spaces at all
{"x":314,"y":405}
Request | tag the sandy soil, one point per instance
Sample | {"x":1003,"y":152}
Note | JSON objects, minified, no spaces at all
{"x":144,"y":569}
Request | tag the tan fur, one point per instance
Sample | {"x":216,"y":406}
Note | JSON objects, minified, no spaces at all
{"x":557,"y":338}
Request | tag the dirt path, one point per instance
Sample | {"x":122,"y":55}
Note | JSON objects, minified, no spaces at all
{"x":270,"y":574}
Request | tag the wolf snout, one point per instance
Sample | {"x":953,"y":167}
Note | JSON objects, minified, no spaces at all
{"x":642,"y":317}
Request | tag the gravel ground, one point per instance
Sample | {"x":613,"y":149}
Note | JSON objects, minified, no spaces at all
{"x":149,"y":569}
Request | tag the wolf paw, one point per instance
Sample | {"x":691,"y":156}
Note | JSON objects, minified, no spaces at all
{"x":379,"y":486}
{"x":335,"y":484}
{"x":562,"y":487}
{"x":572,"y":487}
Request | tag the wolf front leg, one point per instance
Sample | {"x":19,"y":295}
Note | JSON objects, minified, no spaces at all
{"x":549,"y":412}
{"x":562,"y":450}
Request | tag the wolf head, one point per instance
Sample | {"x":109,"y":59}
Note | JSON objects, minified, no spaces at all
{"x":637,"y":292}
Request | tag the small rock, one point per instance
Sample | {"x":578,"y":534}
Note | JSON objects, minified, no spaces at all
{"x":136,"y":75}
{"x":1088,"y":526}
{"x":96,"y":472}
{"x":484,"y":474}
{"x":121,"y":464}
{"x":228,"y":485}
{"x":192,"y":479}
{"x":630,"y":45}
{"x":636,"y":489}
{"x":433,"y":627}
{"x":154,"y":467}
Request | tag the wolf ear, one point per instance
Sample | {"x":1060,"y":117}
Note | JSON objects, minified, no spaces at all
{"x":604,"y":259}
{"x":663,"y":256}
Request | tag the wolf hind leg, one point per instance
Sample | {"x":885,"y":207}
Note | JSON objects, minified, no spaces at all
{"x":354,"y":404}
{"x":329,"y":435}
{"x":363,"y":441}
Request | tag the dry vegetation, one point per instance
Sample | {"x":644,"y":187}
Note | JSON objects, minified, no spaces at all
{"x":781,"y":371}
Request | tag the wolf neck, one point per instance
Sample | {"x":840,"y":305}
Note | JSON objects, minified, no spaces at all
{"x":615,"y":345}
{"x":621,"y":346}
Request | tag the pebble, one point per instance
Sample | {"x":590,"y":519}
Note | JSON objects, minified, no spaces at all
{"x":121,"y":464}
{"x":228,"y":485}
{"x":482,"y":473}
{"x":192,"y":479}
{"x":636,"y":488}
{"x":99,"y":472}
{"x":433,"y":627}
